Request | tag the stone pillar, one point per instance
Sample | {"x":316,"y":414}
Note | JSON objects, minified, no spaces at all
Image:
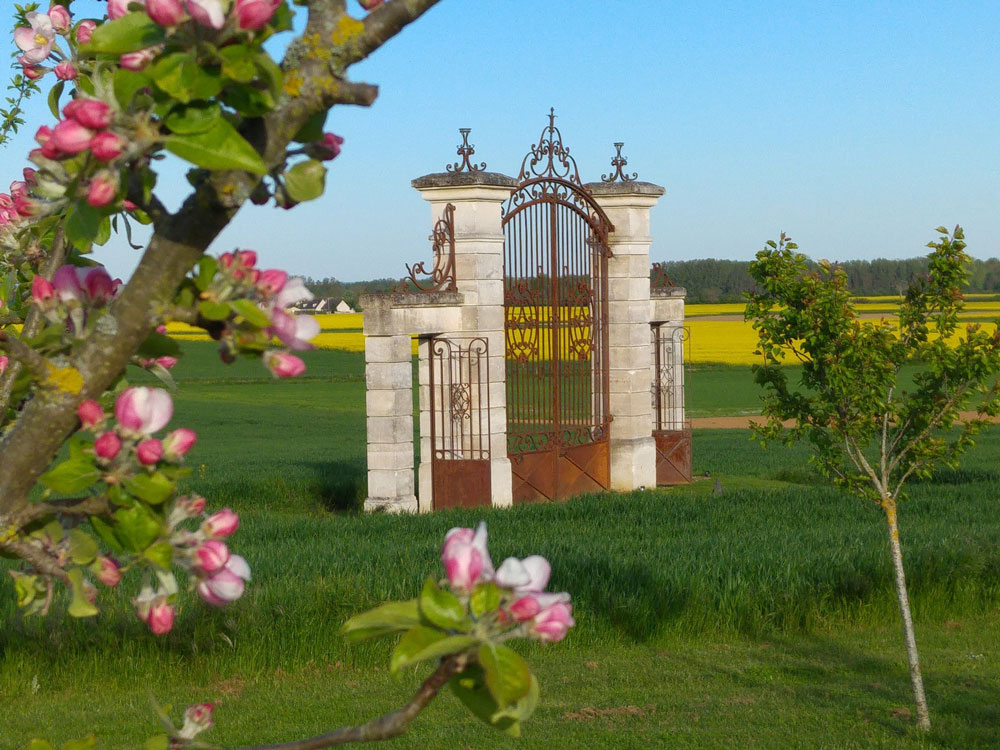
{"x":479,"y":241}
{"x":389,"y":401}
{"x":424,"y":477}
{"x":633,"y":451}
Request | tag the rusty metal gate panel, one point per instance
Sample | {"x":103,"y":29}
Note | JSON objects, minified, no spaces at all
{"x":672,"y":430}
{"x":556,"y":324}
{"x":460,"y":422}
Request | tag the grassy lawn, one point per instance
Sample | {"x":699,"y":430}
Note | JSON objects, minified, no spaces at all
{"x":758,"y":617}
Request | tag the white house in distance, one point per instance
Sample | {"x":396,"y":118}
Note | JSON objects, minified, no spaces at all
{"x":343,"y":307}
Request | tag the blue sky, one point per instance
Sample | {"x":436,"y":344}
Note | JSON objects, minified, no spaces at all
{"x":856,"y":127}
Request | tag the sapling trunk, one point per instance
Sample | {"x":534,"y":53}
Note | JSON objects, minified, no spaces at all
{"x":923,"y":716}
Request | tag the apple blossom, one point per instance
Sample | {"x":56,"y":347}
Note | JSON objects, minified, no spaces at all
{"x":60,"y":18}
{"x":107,"y":446}
{"x":108,"y":571}
{"x":254,"y":14}
{"x":197,"y":719}
{"x":91,"y":113}
{"x":528,"y":575}
{"x":85,"y":30}
{"x":103,"y":189}
{"x":465,"y":557}
{"x":210,"y":13}
{"x":32,"y":72}
{"x":35,"y":40}
{"x":66,"y":282}
{"x":70,"y":137}
{"x":142,"y":410}
{"x":225,"y":585}
{"x":30,"y":176}
{"x":25,"y":206}
{"x":212,"y":555}
{"x":294,"y":330}
{"x":284,"y":365}
{"x":166,"y":12}
{"x":222,"y":523}
{"x":166,"y":362}
{"x":552,"y":623}
{"x":65,"y":71}
{"x":149,"y":451}
{"x":178,"y":443}
{"x":138,"y":60}
{"x":271,"y":281}
{"x":90,"y":413}
{"x":42,"y":291}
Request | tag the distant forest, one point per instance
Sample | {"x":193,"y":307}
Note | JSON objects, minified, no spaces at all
{"x":711,"y":280}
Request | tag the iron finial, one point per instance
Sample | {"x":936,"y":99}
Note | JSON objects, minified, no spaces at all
{"x":618,"y":161}
{"x":465,"y":150}
{"x":549,"y":158}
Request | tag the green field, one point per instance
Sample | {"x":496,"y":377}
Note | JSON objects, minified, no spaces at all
{"x":761,"y":616}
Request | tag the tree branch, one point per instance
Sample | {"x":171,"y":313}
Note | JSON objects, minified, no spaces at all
{"x":35,"y":557}
{"x":386,"y":726}
{"x":85,"y":506}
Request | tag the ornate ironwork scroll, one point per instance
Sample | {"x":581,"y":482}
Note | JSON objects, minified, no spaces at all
{"x":441,"y":278}
{"x":658,"y":278}
{"x":618,"y":162}
{"x":549,"y":158}
{"x":465,"y":150}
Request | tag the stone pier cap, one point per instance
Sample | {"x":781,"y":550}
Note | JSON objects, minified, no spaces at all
{"x":463,"y":179}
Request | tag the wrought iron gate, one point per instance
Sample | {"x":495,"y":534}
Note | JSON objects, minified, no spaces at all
{"x":556,"y":325}
{"x":672,"y":432}
{"x":460,"y":422}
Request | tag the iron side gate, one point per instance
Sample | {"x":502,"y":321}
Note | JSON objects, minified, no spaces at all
{"x":460,"y":422}
{"x":556,"y":316}
{"x":672,"y":431}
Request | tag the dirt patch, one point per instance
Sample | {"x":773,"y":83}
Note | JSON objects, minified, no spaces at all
{"x":733,"y":423}
{"x":589,"y":713}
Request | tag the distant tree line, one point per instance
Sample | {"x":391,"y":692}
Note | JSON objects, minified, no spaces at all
{"x":710,"y":280}
{"x":349,"y":291}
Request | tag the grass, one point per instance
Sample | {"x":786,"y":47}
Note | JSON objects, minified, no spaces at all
{"x":761,"y":616}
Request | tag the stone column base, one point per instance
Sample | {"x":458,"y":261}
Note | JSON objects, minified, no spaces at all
{"x":501,"y":486}
{"x":633,"y":464}
{"x":400,"y":504}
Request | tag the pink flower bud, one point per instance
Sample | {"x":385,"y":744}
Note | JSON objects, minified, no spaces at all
{"x":65,"y":71}
{"x":119,"y":8}
{"x":70,"y":137}
{"x":178,"y":443}
{"x":66,"y":282}
{"x":270,"y":281}
{"x":551,"y":624}
{"x":103,"y":189}
{"x":210,"y":13}
{"x":161,"y":616}
{"x":221,"y":523}
{"x":91,"y":113}
{"x":254,"y":14}
{"x":149,"y":451}
{"x":85,"y":30}
{"x":106,"y":146}
{"x":4,"y":361}
{"x":59,"y":17}
{"x":99,"y":285}
{"x":284,"y":365}
{"x":30,"y":176}
{"x":193,"y":505}
{"x":144,"y":603}
{"x":328,"y":148}
{"x":466,"y":558}
{"x":370,"y":4}
{"x":108,"y":571}
{"x":26,"y":206}
{"x":165,"y":12}
{"x":139,"y":60}
{"x":42,"y":291}
{"x":107,"y":446}
{"x":212,"y":555}
{"x":166,"y":363}
{"x":90,"y":413}
{"x":226,"y":260}
{"x":141,"y":410}
{"x":246,"y":258}
{"x":33,"y":72}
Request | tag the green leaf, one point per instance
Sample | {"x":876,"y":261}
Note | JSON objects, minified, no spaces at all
{"x":238,"y":63}
{"x":54,"y":95}
{"x":207,"y":268}
{"x":507,"y":674}
{"x":159,"y":345}
{"x":87,"y":743}
{"x":72,"y":475}
{"x":193,"y":118}
{"x":153,"y":488}
{"x":470,"y":688}
{"x":442,"y":608}
{"x":137,"y":527}
{"x":313,"y":128}
{"x":523,"y":707}
{"x":271,"y":74}
{"x":248,"y":100}
{"x":388,"y":618}
{"x":129,"y":33}
{"x":422,"y":643}
{"x":103,"y":231}
{"x":37,"y":744}
{"x":485,"y":598}
{"x":306,"y":180}
{"x":82,"y":547}
{"x":79,"y":606}
{"x":160,"y":554}
{"x":106,"y":533}
{"x":176,"y":74}
{"x":220,"y":147}
{"x":82,"y":225}
{"x":126,"y":83}
{"x":159,"y":742}
{"x":250,"y":312}
{"x":213,"y":310}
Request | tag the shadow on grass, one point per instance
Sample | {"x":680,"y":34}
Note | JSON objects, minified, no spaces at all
{"x":960,"y":476}
{"x":339,"y":486}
